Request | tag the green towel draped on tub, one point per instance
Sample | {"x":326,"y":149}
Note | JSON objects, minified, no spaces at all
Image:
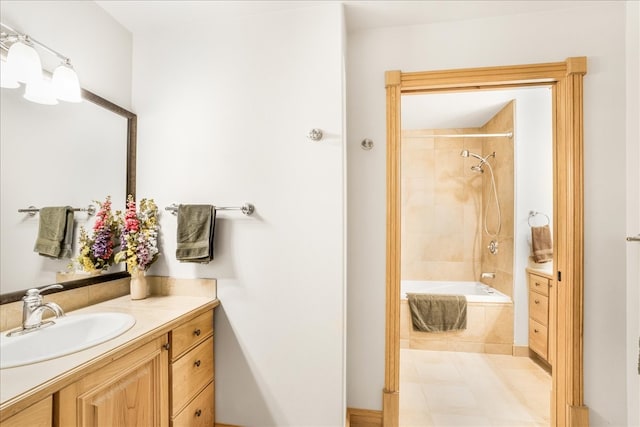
{"x":437,"y":313}
{"x":55,"y":232}
{"x":196,"y":224}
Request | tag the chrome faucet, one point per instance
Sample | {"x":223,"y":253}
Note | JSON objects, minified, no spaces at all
{"x":488,"y":275}
{"x":33,"y":309}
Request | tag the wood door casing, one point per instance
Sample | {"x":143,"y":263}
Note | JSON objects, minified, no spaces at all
{"x":566,"y":80}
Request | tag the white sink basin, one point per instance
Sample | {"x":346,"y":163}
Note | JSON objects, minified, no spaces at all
{"x":70,"y":334}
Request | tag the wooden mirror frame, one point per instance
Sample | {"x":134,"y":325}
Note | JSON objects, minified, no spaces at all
{"x":132,"y":131}
{"x":566,"y":80}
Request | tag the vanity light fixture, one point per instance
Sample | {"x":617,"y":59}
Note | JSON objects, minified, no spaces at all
{"x":23,"y":65}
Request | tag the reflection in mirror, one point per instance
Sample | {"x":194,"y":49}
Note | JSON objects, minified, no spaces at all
{"x":67,"y":154}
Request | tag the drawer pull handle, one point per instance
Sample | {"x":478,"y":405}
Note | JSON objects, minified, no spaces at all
{"x":198,"y":412}
{"x":167,"y":346}
{"x":196,"y":332}
{"x":537,"y":301}
{"x":537,"y":284}
{"x":535,"y":330}
{"x":197,"y":363}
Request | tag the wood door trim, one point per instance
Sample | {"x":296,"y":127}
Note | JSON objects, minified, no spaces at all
{"x":566,"y":79}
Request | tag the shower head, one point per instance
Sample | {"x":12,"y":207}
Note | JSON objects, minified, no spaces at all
{"x":483,"y":160}
{"x":467,"y":153}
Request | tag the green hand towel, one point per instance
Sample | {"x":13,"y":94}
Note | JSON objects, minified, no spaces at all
{"x":55,"y":232}
{"x":196,"y":225}
{"x":437,"y":313}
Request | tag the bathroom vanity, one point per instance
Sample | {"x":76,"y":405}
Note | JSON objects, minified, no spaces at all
{"x":160,"y":372}
{"x":541,"y":305}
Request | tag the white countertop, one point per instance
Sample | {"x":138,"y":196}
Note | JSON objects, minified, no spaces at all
{"x":151,"y":314}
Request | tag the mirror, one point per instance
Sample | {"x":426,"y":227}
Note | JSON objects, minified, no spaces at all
{"x":65,"y":154}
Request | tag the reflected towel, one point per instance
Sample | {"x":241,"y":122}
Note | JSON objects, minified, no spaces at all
{"x":541,"y":244}
{"x":55,"y":232}
{"x":437,"y":313}
{"x":196,"y":225}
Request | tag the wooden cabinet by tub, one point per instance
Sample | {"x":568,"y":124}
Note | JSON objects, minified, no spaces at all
{"x":192,"y":373}
{"x":541,"y":303}
{"x":39,"y":414}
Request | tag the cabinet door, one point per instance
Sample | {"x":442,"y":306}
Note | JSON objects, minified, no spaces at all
{"x":130,"y":391}
{"x":37,"y":415}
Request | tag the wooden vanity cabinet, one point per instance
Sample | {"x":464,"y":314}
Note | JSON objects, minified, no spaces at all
{"x":39,"y":414}
{"x":130,"y":391}
{"x":192,"y":373}
{"x":541,"y":300}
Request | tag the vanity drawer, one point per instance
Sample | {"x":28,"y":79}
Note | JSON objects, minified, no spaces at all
{"x":191,"y":373}
{"x":539,"y":307}
{"x":199,"y":412}
{"x":189,"y":334}
{"x":539,"y":284}
{"x":538,"y":338}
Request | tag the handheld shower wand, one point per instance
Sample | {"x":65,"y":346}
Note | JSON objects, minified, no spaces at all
{"x":478,"y":168}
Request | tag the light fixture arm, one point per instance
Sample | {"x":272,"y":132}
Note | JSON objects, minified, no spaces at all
{"x":31,"y":41}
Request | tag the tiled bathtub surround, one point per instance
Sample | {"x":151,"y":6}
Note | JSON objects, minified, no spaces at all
{"x":489,"y":330}
{"x":11,"y":314}
{"x":443,"y":204}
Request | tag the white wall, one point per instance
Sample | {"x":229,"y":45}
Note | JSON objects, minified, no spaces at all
{"x":633,"y":211}
{"x":223,"y":113}
{"x":43,"y":166}
{"x":530,"y":38}
{"x":533,"y":191}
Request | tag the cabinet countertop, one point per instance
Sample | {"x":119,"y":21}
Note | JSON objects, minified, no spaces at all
{"x":154,"y":316}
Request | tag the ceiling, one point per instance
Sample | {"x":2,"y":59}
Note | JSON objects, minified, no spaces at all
{"x":465,"y":109}
{"x":141,"y":15}
{"x":456,"y":110}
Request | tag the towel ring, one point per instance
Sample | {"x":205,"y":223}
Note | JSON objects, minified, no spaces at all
{"x":534,"y":213}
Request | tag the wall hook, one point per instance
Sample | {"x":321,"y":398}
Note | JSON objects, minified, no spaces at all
{"x":315,"y":135}
{"x":366,"y":144}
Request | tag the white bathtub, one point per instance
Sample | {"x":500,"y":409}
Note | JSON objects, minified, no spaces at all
{"x":474,"y":291}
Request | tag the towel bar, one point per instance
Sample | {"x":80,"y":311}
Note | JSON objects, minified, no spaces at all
{"x":32,"y":210}
{"x":246,"y":208}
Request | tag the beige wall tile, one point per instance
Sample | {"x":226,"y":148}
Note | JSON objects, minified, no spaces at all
{"x":422,"y":344}
{"x":499,"y":321}
{"x":405,"y":320}
{"x":109,"y":290}
{"x":10,"y":315}
{"x":497,"y":348}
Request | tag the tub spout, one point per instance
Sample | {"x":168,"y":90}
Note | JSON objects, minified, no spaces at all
{"x":488,"y":275}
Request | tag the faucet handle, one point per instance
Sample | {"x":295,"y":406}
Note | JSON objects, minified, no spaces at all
{"x":35,"y":292}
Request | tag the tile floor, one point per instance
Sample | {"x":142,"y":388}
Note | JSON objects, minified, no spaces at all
{"x":444,"y":388}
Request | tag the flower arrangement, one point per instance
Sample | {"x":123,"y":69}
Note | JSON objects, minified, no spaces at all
{"x":96,"y":251}
{"x":139,"y":236}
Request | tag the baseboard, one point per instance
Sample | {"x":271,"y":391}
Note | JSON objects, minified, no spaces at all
{"x":578,"y":416}
{"x":225,"y":425}
{"x":521,"y":351}
{"x":363,"y":418}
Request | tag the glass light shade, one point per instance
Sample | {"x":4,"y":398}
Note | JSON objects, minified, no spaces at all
{"x":40,"y":92}
{"x":66,"y":86}
{"x":7,"y":78}
{"x":24,"y":62}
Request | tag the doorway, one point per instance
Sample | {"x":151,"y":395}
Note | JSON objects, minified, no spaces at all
{"x":474,"y":164}
{"x":565,"y":78}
